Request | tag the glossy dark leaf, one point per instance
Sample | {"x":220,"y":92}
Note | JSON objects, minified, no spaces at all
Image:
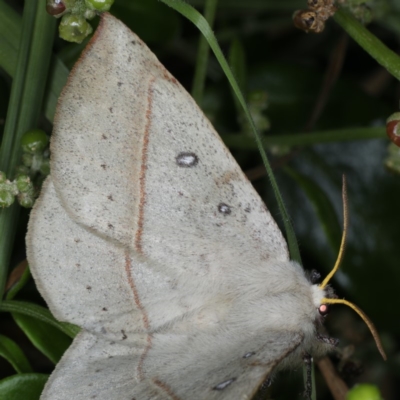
{"x":22,"y":387}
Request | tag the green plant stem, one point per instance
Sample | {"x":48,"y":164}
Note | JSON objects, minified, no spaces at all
{"x":243,"y":141}
{"x":369,"y":42}
{"x":24,"y":109}
{"x":10,"y":32}
{"x":203,"y":54}
{"x":10,"y":39}
{"x":197,"y":19}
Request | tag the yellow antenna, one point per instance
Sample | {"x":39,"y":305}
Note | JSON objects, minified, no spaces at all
{"x":369,"y":323}
{"x":325,"y":300}
{"x":344,"y":235}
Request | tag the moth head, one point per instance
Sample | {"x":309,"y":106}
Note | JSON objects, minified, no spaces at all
{"x":319,"y":295}
{"x":323,"y":295}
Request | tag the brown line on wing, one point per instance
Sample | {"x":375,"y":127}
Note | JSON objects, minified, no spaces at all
{"x":168,"y":76}
{"x":143,"y":168}
{"x":145,"y":318}
{"x":165,"y":388}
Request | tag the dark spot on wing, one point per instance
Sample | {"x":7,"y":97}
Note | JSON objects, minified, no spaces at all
{"x":187,"y":159}
{"x":224,"y":385}
{"x":224,"y":208}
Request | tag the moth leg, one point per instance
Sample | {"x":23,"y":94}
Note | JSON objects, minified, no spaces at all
{"x":307,"y":359}
{"x":327,"y":340}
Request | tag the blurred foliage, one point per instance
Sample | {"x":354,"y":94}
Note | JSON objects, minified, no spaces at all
{"x":307,"y":84}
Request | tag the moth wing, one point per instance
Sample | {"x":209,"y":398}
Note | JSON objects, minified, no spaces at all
{"x":118,"y":358}
{"x":220,"y":367}
{"x":136,"y":160}
{"x":94,"y":367}
{"x":81,"y":275}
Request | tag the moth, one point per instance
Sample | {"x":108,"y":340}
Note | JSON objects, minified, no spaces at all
{"x":149,"y":237}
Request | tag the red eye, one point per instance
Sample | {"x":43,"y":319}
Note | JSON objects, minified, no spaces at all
{"x":323,"y":310}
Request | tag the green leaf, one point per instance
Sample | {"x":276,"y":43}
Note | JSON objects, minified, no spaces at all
{"x":10,"y":33}
{"x":203,"y":54}
{"x":39,"y":313}
{"x":22,"y":386}
{"x":14,"y":355}
{"x":237,"y":61}
{"x":46,"y":338}
{"x":20,"y":283}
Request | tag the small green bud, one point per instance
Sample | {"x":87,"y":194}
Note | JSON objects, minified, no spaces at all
{"x":24,"y":184}
{"x":99,"y":5}
{"x":364,"y":391}
{"x":6,"y":198}
{"x":72,"y":4}
{"x":22,"y":170}
{"x":74,"y":28}
{"x":89,"y":14}
{"x":45,"y":167}
{"x":26,"y":200}
{"x":27,"y":159}
{"x":34,"y":141}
